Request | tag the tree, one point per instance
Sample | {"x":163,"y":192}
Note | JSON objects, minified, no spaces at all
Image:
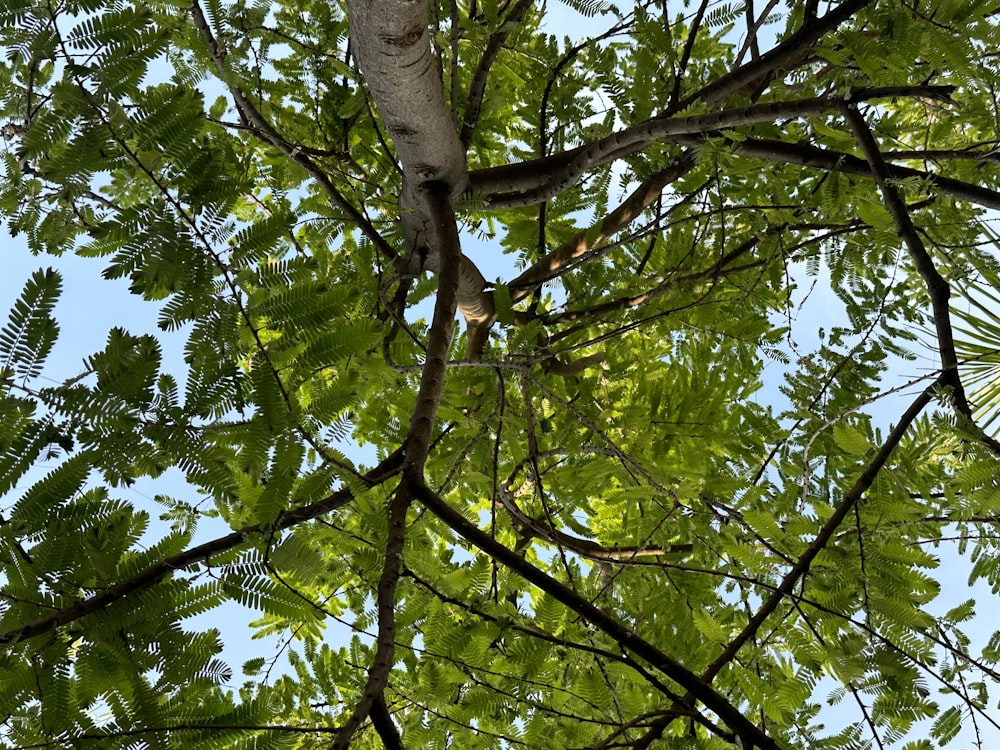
{"x":634,"y":500}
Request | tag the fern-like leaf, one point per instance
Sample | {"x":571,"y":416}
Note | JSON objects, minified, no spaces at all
{"x":31,"y":331}
{"x":589,"y":8}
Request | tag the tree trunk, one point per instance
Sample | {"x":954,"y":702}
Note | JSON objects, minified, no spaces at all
{"x":392,"y":48}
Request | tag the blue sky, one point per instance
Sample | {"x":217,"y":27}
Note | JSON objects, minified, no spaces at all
{"x":89,"y":307}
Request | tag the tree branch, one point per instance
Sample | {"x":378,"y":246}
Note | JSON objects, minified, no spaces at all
{"x":559,"y":172}
{"x":156,"y":573}
{"x":265,"y":132}
{"x":393,"y":52}
{"x":786,"y":56}
{"x":390,"y":42}
{"x":681,"y":67}
{"x":640,"y":199}
{"x":845,"y":506}
{"x":697,"y":688}
{"x":529,"y":175}
{"x":937,"y":287}
{"x":478,"y":85}
{"x":717,"y":270}
{"x":837,"y":161}
{"x":525,"y":524}
{"x":438,"y":206}
{"x":382,"y":721}
{"x":385,"y":639}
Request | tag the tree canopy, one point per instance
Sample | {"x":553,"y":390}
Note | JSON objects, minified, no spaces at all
{"x":540,"y":390}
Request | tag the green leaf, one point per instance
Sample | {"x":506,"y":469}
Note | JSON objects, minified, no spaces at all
{"x":31,"y":331}
{"x":504,"y":304}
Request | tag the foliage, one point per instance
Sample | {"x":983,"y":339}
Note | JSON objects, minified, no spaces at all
{"x":689,"y":492}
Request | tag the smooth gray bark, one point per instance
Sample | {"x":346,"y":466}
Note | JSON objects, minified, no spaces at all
{"x":391,"y":44}
{"x":392,"y":48}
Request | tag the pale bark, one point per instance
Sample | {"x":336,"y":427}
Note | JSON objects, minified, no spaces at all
{"x":586,"y":240}
{"x":541,"y":179}
{"x":392,"y":48}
